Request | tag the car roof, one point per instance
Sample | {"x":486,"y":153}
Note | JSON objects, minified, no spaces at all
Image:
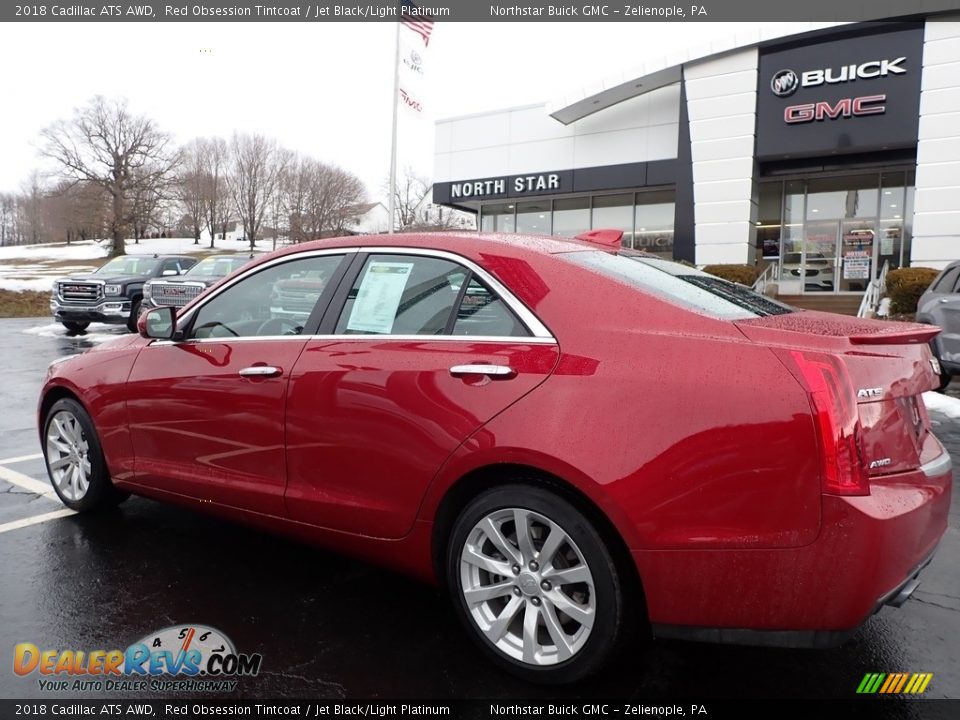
{"x":466,"y":243}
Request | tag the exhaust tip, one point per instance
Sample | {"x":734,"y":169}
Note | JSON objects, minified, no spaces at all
{"x":905,"y":592}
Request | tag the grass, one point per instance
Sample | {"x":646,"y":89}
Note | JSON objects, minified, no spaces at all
{"x":24,"y":304}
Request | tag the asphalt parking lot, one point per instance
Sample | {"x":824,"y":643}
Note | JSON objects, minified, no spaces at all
{"x":329,"y":627}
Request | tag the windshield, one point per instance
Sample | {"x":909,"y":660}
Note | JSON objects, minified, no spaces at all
{"x":681,"y":285}
{"x":216,"y":267}
{"x":130,"y":266}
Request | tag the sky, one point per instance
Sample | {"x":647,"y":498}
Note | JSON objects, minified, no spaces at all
{"x":322,"y":89}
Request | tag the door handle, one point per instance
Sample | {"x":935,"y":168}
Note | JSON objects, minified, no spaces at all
{"x":494,"y":371}
{"x":261,"y":371}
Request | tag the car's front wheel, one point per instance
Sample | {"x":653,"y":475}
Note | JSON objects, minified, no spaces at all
{"x":535,"y":584}
{"x":75,"y":460}
{"x":134,"y":315}
{"x":75,"y":327}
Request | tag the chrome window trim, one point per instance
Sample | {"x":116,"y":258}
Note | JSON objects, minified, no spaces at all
{"x":533,"y":324}
{"x":504,"y":339}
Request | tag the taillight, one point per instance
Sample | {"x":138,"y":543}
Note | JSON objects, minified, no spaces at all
{"x":838,"y":422}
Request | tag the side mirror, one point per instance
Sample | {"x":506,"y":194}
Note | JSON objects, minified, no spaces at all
{"x":158,"y":323}
{"x":168,"y":273}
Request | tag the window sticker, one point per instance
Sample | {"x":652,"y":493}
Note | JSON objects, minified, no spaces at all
{"x":378,"y":298}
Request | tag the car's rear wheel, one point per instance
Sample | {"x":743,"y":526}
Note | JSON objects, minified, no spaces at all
{"x":75,"y":460}
{"x":535,"y":584}
{"x":76,"y":327}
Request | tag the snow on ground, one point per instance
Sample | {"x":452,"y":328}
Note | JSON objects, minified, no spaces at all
{"x":97,"y":332}
{"x":35,"y":267}
{"x":943,"y":404}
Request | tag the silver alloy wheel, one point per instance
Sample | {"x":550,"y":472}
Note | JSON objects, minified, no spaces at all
{"x":527,"y":586}
{"x":68,"y":455}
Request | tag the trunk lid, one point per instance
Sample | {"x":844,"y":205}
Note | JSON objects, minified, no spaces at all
{"x":889,"y":367}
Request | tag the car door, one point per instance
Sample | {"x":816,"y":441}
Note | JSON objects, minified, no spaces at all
{"x":206,"y":413}
{"x":419,"y":350}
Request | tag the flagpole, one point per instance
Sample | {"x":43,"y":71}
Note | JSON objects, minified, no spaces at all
{"x":393,"y":134}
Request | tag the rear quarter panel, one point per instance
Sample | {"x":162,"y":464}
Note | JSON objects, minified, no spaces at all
{"x":686,"y":434}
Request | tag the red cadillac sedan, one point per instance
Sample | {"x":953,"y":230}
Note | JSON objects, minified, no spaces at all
{"x":572,"y":438}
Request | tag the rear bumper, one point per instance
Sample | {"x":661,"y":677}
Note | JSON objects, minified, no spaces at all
{"x":869,"y":553}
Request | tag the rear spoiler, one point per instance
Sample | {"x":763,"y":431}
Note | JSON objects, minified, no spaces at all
{"x":913,"y":336}
{"x":607,"y":238}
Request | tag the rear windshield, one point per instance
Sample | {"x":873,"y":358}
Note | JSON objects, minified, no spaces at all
{"x":683,"y":286}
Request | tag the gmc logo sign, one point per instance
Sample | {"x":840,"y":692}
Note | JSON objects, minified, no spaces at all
{"x":845,"y":108}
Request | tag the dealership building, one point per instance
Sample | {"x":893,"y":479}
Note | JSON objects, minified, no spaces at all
{"x":827,"y":155}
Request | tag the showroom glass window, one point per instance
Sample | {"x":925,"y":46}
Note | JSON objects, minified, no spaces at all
{"x":533,"y":217}
{"x":654,"y":222}
{"x":571,"y":216}
{"x":615,"y":212}
{"x":275,"y":301}
{"x":497,"y":218}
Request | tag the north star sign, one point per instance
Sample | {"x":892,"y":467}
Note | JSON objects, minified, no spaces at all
{"x":519,"y":185}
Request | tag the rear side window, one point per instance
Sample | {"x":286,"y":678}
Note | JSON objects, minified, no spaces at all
{"x":420,"y":295}
{"x":683,"y":286}
{"x":481,"y":312}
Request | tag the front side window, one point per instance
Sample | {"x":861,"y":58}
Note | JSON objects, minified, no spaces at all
{"x":419,"y":295}
{"x":274,"y":301}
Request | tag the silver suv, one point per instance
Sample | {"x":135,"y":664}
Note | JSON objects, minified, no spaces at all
{"x":940,"y":306}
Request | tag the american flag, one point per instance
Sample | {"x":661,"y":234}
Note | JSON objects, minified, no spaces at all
{"x":413,"y":18}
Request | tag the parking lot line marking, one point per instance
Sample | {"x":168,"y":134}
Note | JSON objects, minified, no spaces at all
{"x":20,"y":459}
{"x":35,"y":520}
{"x":26,"y":482}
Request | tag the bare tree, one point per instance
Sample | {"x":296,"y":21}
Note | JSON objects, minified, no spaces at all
{"x":78,"y":212}
{"x":410,"y":191}
{"x":257,"y":170}
{"x":321,"y":199}
{"x":192,"y":188}
{"x":217,"y":199}
{"x":106,"y":145}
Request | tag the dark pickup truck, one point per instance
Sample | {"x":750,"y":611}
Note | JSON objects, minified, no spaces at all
{"x":113,"y":293}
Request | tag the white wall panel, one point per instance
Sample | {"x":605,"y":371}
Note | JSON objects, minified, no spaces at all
{"x":479,"y":163}
{"x":946,"y":100}
{"x":722,"y":212}
{"x":480,"y":132}
{"x":724,"y":190}
{"x":724,"y":169}
{"x":533,"y":124}
{"x":719,"y":107}
{"x":707,"y":150}
{"x":936,"y":221}
{"x":724,"y":127}
{"x":662,"y":142}
{"x":734,"y":62}
{"x":736,"y":253}
{"x":720,"y":86}
{"x":539,"y":156}
{"x":610,"y":148}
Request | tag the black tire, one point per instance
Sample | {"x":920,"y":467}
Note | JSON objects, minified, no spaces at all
{"x":100,"y":492}
{"x":75,"y":327}
{"x":945,"y":379}
{"x":610,"y":625}
{"x":134,"y":315}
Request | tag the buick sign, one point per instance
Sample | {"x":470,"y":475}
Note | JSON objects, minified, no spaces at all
{"x":784,"y":83}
